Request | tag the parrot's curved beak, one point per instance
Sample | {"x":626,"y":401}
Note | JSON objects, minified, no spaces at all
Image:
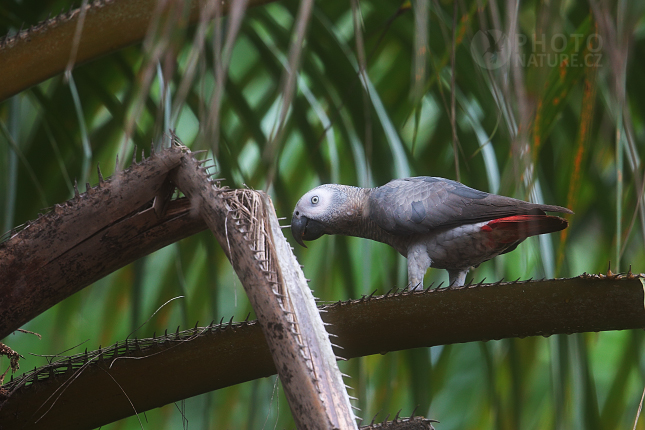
{"x":304,"y":228}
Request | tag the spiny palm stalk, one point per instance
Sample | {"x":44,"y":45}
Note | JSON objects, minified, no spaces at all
{"x":382,"y":90}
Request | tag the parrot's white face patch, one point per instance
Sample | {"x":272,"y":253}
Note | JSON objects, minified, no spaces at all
{"x":316,"y":202}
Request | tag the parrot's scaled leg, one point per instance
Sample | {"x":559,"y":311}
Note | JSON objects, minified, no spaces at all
{"x":457,"y":278}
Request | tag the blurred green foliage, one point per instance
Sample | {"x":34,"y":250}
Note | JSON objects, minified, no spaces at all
{"x":543,"y":126}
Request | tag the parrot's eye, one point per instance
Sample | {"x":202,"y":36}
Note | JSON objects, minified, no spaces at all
{"x":314,"y":200}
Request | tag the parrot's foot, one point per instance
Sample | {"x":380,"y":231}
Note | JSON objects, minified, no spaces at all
{"x":415,"y":284}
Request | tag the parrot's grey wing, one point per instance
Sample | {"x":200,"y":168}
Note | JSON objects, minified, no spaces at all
{"x":422,"y":204}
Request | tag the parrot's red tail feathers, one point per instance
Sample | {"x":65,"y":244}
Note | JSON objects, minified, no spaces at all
{"x":519,"y":227}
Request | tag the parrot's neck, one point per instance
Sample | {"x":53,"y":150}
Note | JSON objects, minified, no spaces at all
{"x":355,"y":221}
{"x":368,"y":229}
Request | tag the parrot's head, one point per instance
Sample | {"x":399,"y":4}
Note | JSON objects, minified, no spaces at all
{"x":317,"y":211}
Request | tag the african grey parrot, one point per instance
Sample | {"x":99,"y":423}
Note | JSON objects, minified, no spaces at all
{"x":434,"y":222}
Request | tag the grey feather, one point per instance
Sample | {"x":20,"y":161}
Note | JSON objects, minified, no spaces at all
{"x":427,"y":203}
